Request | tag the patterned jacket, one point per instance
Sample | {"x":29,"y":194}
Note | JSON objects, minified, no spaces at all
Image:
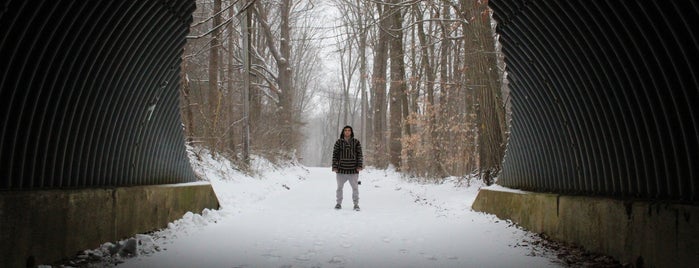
{"x":347,"y":156}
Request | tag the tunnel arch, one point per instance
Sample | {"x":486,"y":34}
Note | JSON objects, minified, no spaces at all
{"x":89,"y":93}
{"x":603,"y":97}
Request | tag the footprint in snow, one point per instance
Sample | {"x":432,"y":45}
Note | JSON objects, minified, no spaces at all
{"x":337,"y":260}
{"x":305,"y":257}
{"x":271,"y":256}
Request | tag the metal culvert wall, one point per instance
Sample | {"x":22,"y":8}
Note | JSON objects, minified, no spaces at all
{"x":89,"y":93}
{"x":604,"y":97}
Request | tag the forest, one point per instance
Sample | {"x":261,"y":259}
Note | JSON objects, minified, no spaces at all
{"x":421,"y":82}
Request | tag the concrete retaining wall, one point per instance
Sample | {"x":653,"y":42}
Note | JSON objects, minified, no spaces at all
{"x":639,"y":233}
{"x":46,"y":226}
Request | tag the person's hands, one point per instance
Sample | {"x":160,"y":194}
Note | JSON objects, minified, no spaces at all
{"x":335,"y":170}
{"x":359,"y":169}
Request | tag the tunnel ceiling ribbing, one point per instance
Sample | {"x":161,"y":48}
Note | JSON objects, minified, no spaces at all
{"x":604,"y":97}
{"x":89,"y":93}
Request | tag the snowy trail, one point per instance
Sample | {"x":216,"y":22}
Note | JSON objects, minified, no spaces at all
{"x":402,"y":224}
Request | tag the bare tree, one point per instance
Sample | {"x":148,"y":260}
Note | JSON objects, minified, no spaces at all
{"x":187,"y":108}
{"x":378,"y":85}
{"x":426,"y":53}
{"x":246,"y":31}
{"x":281,"y":54}
{"x":481,"y":70}
{"x":398,"y":86}
{"x":214,"y":92}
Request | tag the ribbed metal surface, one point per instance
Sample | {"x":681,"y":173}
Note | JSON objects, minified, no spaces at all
{"x":604,"y":97}
{"x":89,"y":93}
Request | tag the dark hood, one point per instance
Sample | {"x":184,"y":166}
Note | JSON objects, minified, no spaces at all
{"x":343,"y":130}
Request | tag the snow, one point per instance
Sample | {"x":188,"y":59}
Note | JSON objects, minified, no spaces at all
{"x":284,"y":217}
{"x":499,"y":188}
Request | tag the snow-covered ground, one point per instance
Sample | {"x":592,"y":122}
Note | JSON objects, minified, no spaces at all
{"x":284,"y":217}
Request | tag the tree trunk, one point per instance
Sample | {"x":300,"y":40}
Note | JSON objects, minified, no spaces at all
{"x":282,"y":55}
{"x":285,"y":79}
{"x":230,"y":74}
{"x":366,"y":129}
{"x":398,"y":85}
{"x":442,"y":136}
{"x":246,"y":32}
{"x":188,"y":107}
{"x":482,"y":73}
{"x":214,"y":93}
{"x":255,"y":91}
{"x":379,"y":88}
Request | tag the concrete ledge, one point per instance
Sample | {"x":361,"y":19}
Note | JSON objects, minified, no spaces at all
{"x":643,"y":234}
{"x":48,"y":225}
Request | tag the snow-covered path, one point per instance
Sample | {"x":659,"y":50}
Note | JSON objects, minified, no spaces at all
{"x":287,"y":220}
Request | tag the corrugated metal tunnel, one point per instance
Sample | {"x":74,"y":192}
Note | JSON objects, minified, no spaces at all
{"x":604,"y":97}
{"x":89,"y":93}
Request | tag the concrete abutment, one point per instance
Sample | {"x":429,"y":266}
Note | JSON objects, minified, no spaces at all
{"x":45,"y":226}
{"x":640,"y":233}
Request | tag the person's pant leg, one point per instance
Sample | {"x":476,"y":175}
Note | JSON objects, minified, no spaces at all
{"x":354,"y":182}
{"x":341,"y":179}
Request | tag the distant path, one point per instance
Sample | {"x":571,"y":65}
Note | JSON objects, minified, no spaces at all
{"x":401,"y":225}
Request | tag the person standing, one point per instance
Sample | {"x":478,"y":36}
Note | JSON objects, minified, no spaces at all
{"x":347,"y":162}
